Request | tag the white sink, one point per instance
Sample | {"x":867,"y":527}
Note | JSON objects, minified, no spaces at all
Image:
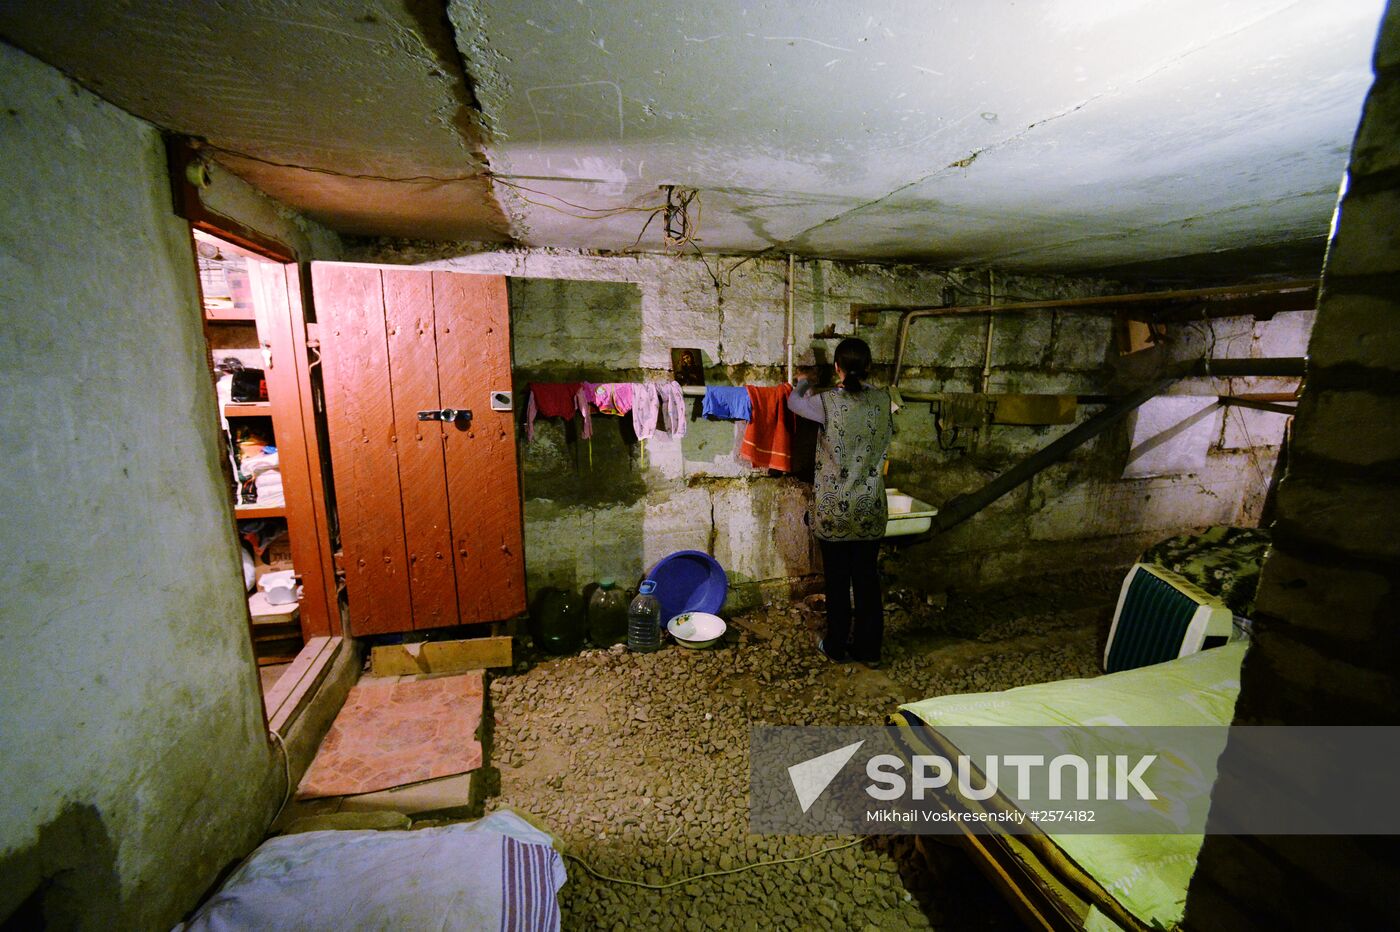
{"x":907,"y":515}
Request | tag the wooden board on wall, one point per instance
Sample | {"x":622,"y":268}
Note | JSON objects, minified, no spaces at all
{"x":473,"y":343}
{"x":364,"y":459}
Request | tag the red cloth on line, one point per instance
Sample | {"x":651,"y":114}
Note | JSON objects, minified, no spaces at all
{"x":768,"y":439}
{"x":555,"y":399}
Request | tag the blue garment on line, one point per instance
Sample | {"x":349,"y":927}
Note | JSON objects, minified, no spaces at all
{"x":730,"y":402}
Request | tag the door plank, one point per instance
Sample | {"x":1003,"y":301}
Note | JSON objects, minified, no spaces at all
{"x":322,"y":561}
{"x":360,"y":419}
{"x":408,"y":316}
{"x":483,"y":484}
{"x":278,"y":312}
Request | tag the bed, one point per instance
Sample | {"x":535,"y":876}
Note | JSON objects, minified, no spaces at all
{"x":1078,"y":881}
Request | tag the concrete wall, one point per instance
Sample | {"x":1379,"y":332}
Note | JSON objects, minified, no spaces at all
{"x":611,"y":510}
{"x":133,"y":752}
{"x":1327,"y":644}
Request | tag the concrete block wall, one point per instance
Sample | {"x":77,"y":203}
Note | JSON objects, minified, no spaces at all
{"x":133,"y":752}
{"x":611,"y":509}
{"x":1327,"y":647}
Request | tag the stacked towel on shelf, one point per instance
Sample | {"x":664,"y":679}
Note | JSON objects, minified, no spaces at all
{"x":265,"y":469}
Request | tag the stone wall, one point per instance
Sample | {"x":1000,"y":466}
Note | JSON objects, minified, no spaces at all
{"x":611,"y":509}
{"x":1327,"y":644}
{"x":133,"y":753}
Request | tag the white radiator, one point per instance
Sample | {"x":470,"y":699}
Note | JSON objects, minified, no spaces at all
{"x":1162,"y":615}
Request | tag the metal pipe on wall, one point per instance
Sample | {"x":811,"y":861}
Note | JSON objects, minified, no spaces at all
{"x":790,"y":331}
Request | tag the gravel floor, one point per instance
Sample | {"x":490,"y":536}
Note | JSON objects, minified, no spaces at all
{"x":640,"y":761}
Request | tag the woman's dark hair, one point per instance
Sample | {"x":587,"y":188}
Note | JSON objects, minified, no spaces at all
{"x":853,"y":356}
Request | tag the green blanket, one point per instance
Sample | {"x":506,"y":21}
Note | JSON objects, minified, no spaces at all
{"x":1224,"y":561}
{"x":1148,"y":874}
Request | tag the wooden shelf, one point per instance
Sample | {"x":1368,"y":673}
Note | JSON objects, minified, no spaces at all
{"x":248,"y":409}
{"x":230,"y":316}
{"x":259,"y":511}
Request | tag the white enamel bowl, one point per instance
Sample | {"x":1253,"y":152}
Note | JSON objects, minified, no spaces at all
{"x":696,"y":629}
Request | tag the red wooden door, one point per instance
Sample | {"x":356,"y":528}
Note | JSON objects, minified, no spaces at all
{"x":430,"y":519}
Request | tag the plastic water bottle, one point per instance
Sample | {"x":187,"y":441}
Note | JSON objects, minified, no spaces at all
{"x":607,"y":614}
{"x":644,"y":620}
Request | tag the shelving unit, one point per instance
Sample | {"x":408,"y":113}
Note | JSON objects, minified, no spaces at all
{"x":259,"y":318}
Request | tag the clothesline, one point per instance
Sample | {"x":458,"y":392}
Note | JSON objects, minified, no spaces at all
{"x":767,"y":438}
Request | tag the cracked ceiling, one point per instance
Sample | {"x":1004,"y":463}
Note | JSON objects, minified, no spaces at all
{"x":1061,"y":135}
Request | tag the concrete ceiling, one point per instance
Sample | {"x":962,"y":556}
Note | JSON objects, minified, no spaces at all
{"x":1049,"y":135}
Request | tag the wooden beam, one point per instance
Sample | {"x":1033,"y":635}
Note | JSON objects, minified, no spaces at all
{"x":441,"y":656}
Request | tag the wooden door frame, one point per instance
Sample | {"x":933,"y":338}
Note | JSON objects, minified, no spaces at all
{"x":282,"y":323}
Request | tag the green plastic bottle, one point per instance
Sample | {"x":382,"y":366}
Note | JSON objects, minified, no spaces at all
{"x":607,"y":614}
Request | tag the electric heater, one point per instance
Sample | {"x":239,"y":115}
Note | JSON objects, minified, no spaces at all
{"x":1162,"y":615}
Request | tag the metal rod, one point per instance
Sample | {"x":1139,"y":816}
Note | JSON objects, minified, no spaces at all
{"x":963,"y":507}
{"x":991,"y":322}
{"x":1237,"y":402}
{"x":790,"y":330}
{"x":1108,"y":302}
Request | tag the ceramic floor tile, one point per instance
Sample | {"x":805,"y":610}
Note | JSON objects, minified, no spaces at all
{"x":392,"y":734}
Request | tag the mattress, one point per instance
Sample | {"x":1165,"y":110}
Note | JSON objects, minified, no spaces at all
{"x":1136,"y":877}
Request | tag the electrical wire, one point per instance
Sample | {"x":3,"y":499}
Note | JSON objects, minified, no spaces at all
{"x":286,"y":772}
{"x":684,"y":880}
{"x":595,"y":213}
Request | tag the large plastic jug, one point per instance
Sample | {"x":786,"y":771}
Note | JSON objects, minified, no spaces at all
{"x":559,"y":621}
{"x":644,"y":620}
{"x":607,"y":614}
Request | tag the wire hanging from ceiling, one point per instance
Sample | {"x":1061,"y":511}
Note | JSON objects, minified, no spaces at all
{"x":681,"y":209}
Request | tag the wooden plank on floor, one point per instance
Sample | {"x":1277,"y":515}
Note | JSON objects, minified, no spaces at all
{"x":441,"y":656}
{"x":298,"y":684}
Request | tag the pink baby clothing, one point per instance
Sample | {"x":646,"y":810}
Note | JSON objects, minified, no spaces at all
{"x":672,"y":407}
{"x":611,"y":397}
{"x":645,"y":407}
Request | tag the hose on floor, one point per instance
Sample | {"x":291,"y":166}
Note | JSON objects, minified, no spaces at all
{"x":684,"y":880}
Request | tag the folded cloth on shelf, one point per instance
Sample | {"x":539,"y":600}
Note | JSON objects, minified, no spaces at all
{"x":730,"y":402}
{"x":672,"y":402}
{"x":768,"y":440}
{"x":553,"y":399}
{"x":610,"y":397}
{"x":645,"y":407}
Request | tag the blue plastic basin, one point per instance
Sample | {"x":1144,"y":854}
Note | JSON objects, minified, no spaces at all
{"x":689,"y":581}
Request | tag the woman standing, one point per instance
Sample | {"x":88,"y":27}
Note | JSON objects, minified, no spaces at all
{"x":848,"y":507}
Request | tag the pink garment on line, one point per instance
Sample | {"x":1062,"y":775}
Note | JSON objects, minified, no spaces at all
{"x":610,"y":397}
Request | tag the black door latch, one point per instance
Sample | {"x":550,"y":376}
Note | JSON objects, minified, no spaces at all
{"x":461,"y":417}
